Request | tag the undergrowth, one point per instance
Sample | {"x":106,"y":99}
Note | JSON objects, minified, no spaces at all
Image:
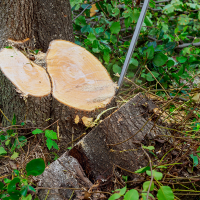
{"x":164,"y":67}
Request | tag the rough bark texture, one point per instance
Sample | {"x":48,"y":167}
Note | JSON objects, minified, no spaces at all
{"x":97,"y":156}
{"x":26,"y":109}
{"x":39,"y":20}
{"x":52,"y":20}
{"x":65,"y":172}
{"x":16,"y":18}
{"x":68,"y":127}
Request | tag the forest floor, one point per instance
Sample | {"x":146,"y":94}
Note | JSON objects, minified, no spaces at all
{"x":180,"y":115}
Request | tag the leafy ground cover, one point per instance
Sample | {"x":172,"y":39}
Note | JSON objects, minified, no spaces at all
{"x":164,"y":66}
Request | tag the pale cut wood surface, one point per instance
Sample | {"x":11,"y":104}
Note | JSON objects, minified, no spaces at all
{"x":29,"y":78}
{"x":79,"y":79}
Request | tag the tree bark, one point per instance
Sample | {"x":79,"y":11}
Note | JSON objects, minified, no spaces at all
{"x":117,"y":140}
{"x":32,"y":24}
{"x":40,"y":21}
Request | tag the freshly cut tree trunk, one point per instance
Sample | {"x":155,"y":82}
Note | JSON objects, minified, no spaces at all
{"x":33,"y":24}
{"x":26,"y":88}
{"x":74,"y":90}
{"x":81,"y":86}
{"x":117,"y":141}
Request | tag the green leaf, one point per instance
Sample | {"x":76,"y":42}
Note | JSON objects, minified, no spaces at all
{"x":37,"y":131}
{"x":16,"y":172}
{"x":169,"y":47}
{"x":51,"y":134}
{"x":113,"y":39}
{"x":183,"y":20}
{"x":29,"y":197}
{"x":6,"y":180}
{"x":127,"y":22}
{"x":134,"y":62}
{"x":22,"y":124}
{"x":192,"y":59}
{"x":193,"y":5}
{"x":114,"y":196}
{"x":168,"y":9}
{"x":117,"y":69}
{"x":12,"y":185}
{"x":186,"y":50}
{"x":86,"y":29}
{"x":99,"y":30}
{"x":127,"y":13}
{"x":149,"y":147}
{"x":176,"y":77}
{"x":165,"y":193}
{"x":24,"y":190}
{"x":198,"y":149}
{"x":144,"y":196}
{"x":160,"y":59}
{"x":2,"y":151}
{"x":1,"y":186}
{"x":50,"y":143}
{"x":115,"y":27}
{"x":181,"y":59}
{"x":131,"y":195}
{"x":8,"y":47}
{"x":31,"y":188}
{"x":81,"y":21}
{"x":115,"y":12}
{"x":6,"y":143}
{"x":106,"y":57}
{"x":143,"y":169}
{"x":149,"y":53}
{"x":35,"y":167}
{"x":122,"y":191}
{"x":157,"y":175}
{"x":19,"y":142}
{"x":15,"y":195}
{"x":14,"y":121}
{"x":170,"y":63}
{"x":146,"y":186}
{"x":148,"y":21}
{"x":130,"y":75}
{"x":181,"y":70}
{"x":152,"y":4}
{"x":91,"y":37}
{"x":14,"y":156}
{"x":195,"y":160}
{"x":55,"y":145}
{"x":2,"y":137}
{"x":125,"y":178}
{"x":136,"y":15}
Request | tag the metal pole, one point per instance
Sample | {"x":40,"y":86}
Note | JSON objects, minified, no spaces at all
{"x":133,"y":43}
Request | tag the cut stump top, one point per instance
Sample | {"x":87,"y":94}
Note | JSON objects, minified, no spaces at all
{"x":79,"y":79}
{"x":28,"y":77}
{"x":75,"y":77}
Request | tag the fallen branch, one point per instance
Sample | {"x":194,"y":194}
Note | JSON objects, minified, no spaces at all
{"x":187,"y":44}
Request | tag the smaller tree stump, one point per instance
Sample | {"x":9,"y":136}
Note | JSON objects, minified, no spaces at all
{"x":64,"y":173}
{"x":117,"y":141}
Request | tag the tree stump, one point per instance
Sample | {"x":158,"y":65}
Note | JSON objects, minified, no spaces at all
{"x":117,"y":140}
{"x":25,"y":88}
{"x":74,"y":89}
